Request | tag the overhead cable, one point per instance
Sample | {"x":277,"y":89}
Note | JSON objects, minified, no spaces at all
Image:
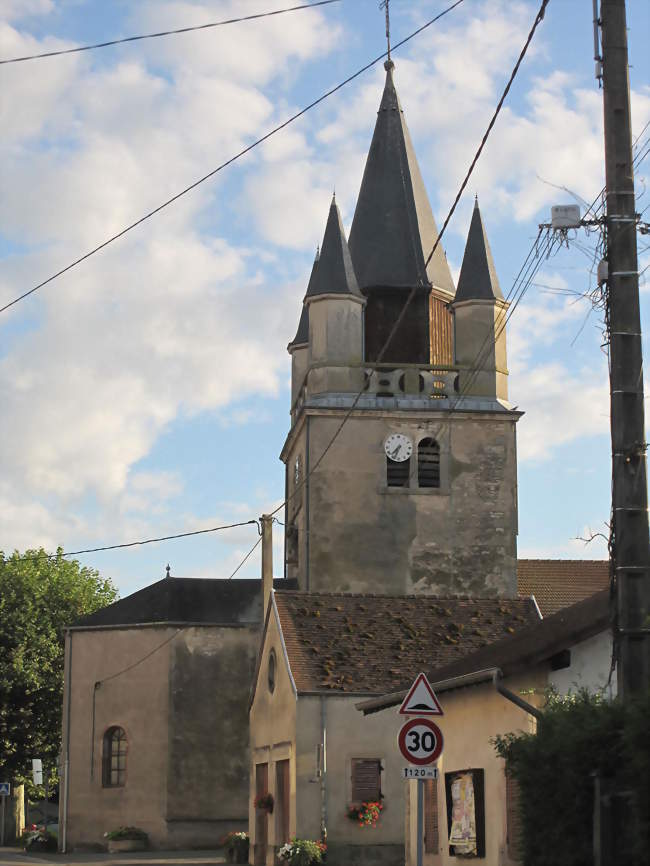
{"x":228,"y":162}
{"x":196,"y":27}
{"x":138,"y":543}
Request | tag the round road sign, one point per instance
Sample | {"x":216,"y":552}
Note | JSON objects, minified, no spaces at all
{"x":420,"y":741}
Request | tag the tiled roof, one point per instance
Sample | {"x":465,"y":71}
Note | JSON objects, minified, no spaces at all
{"x":524,"y":650}
{"x":363,"y":644}
{"x":558,"y":583}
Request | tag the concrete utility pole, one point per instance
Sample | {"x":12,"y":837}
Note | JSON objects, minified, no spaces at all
{"x":631,"y":552}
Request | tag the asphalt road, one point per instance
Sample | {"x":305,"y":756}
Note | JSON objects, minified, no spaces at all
{"x":16,"y":857}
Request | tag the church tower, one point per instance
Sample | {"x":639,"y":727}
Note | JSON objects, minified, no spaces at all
{"x":401,"y":466}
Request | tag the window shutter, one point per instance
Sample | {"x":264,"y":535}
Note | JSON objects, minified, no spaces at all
{"x":366,"y":780}
{"x":398,"y":474}
{"x":514,"y":828}
{"x":428,"y":463}
{"x":431,"y":836}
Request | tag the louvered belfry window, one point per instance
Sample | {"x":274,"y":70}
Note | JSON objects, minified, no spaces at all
{"x":428,"y":463}
{"x":398,"y":474}
{"x":366,"y":780}
{"x":114,"y":758}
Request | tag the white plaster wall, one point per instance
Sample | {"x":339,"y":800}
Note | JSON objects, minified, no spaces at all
{"x":589,"y":668}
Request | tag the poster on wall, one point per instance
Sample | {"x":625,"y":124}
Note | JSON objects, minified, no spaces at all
{"x":462,"y":834}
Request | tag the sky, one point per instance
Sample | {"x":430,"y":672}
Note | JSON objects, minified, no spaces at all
{"x":146,"y":392}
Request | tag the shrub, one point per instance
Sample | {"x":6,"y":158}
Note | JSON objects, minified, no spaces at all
{"x":577,"y":737}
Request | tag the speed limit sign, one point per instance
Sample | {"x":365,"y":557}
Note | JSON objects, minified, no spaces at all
{"x":420,"y":741}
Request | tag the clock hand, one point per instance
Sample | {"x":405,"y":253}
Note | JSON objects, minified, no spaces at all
{"x":395,"y":452}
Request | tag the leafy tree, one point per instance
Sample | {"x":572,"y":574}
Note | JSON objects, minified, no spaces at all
{"x":577,"y":736}
{"x":40,"y":596}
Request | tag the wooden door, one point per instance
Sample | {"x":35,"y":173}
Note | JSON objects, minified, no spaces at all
{"x":282,"y":793}
{"x":261,"y":817}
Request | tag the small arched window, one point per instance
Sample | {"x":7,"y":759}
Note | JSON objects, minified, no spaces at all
{"x":114,"y":758}
{"x":398,"y":473}
{"x":428,"y":463}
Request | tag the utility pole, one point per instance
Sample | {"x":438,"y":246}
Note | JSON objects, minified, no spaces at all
{"x":631,"y":539}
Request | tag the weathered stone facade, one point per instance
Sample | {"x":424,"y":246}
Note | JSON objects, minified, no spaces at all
{"x":459,"y":538}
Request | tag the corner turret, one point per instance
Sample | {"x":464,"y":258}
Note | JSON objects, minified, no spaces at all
{"x":335,"y":314}
{"x":479,"y":311}
{"x":298,"y":348}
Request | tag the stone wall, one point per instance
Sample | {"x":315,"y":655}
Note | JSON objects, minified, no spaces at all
{"x":369,"y":538}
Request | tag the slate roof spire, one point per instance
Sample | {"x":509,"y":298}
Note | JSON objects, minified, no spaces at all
{"x":302,"y":334}
{"x":335,"y":272}
{"x":393,"y":231}
{"x":478,"y":277}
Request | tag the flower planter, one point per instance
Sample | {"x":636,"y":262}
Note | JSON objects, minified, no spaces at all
{"x":117,"y":845}
{"x":239,"y":856}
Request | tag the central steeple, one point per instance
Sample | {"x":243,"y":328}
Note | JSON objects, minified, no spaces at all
{"x":393,"y":231}
{"x":392,"y":235}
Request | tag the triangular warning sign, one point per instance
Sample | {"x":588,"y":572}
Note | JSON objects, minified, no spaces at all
{"x":421,"y":700}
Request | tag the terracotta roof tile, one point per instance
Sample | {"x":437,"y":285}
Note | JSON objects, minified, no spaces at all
{"x":364,"y":644}
{"x":558,"y":583}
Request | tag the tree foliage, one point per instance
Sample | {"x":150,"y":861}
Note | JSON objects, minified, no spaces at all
{"x":579,"y":736}
{"x":39,"y":598}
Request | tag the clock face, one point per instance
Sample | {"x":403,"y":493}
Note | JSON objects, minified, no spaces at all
{"x":398,"y":447}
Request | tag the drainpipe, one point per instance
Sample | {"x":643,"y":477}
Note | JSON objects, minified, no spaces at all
{"x":323,"y":770}
{"x":511,"y":696}
{"x":66,"y":762}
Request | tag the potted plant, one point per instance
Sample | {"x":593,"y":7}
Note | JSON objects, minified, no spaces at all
{"x":367,"y":814}
{"x":37,"y":838}
{"x":302,"y":852}
{"x":236,"y":845}
{"x":264,"y":802}
{"x":126,"y":839}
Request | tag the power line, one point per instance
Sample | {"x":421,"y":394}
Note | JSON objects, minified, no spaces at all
{"x":245,"y":559}
{"x":51,"y":556}
{"x":228,"y":162}
{"x":166,"y":32}
{"x":538,"y":18}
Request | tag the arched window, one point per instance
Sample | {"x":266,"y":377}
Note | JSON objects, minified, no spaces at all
{"x":398,"y":473}
{"x":114,"y":758}
{"x":428,"y":463}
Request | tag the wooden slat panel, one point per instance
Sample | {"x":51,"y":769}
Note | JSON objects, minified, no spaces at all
{"x":431,"y":833}
{"x":514,"y":828}
{"x":440,"y":332}
{"x":366,"y":780}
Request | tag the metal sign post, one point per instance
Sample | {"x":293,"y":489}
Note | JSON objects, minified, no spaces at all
{"x":420,"y":846}
{"x":5,"y":791}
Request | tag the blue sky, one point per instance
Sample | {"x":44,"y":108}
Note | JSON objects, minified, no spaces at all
{"x":146,"y":392}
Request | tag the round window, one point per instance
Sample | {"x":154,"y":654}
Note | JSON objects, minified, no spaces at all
{"x":271,"y":671}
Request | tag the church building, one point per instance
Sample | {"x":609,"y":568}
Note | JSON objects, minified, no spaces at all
{"x":189,"y":698}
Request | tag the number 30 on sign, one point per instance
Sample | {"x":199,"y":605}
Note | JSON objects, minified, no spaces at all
{"x":420,"y":742}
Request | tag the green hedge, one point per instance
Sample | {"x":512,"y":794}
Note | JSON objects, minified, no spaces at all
{"x":578,"y":736}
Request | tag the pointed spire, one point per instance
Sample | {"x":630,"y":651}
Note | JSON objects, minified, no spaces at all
{"x":302,"y":334}
{"x":393,"y":231}
{"x":478,"y":277}
{"x":335,"y":272}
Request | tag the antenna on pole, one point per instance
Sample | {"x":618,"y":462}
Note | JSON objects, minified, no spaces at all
{"x":385,"y":4}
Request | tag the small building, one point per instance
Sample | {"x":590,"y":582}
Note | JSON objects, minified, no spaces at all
{"x":494,"y":691}
{"x":155,"y":728}
{"x":310,"y":748}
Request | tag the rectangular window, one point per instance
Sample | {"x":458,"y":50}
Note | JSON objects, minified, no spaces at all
{"x":513,"y":818}
{"x":366,"y":780}
{"x":465,"y":797}
{"x":431,"y":835}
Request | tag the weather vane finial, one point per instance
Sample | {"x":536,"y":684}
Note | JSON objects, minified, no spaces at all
{"x":385,"y":4}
